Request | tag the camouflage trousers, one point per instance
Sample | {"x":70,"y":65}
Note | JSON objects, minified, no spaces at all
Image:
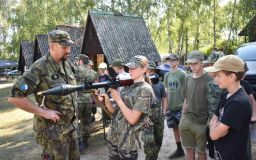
{"x":62,"y":150}
{"x":116,"y":154}
{"x":84,"y":121}
{"x":153,"y":138}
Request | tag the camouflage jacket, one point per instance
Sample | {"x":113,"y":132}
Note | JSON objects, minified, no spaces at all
{"x":139,"y":97}
{"x":84,"y":74}
{"x":213,"y":95}
{"x":45,"y":73}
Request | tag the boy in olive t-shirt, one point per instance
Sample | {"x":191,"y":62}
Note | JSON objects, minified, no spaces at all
{"x":195,"y":108}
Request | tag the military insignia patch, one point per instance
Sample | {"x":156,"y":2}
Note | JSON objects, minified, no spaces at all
{"x":23,"y":87}
{"x":55,"y":76}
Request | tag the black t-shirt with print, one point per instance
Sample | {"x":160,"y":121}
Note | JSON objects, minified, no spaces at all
{"x":104,"y":78}
{"x":234,"y":112}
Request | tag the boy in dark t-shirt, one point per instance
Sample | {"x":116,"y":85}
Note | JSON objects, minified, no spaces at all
{"x":229,"y":126}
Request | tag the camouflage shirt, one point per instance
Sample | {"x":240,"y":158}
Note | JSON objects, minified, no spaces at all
{"x":139,"y":97}
{"x":84,"y":74}
{"x":44,"y":74}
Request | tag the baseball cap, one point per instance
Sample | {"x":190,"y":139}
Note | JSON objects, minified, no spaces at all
{"x":102,"y":66}
{"x":195,"y":56}
{"x":173,"y":57}
{"x":117,"y":63}
{"x":151,"y":65}
{"x":230,"y":63}
{"x":61,"y":37}
{"x":85,"y":58}
{"x":213,"y":57}
{"x":137,"y":61}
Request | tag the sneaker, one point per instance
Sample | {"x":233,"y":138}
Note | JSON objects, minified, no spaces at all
{"x":178,"y":153}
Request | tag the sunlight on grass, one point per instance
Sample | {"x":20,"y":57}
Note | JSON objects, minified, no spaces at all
{"x":19,"y":144}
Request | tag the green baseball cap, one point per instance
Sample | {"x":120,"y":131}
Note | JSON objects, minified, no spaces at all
{"x":61,"y":37}
{"x":195,"y":56}
{"x":137,"y":61}
{"x":173,"y":57}
{"x":151,"y":65}
{"x":85,"y":58}
{"x":117,"y":63}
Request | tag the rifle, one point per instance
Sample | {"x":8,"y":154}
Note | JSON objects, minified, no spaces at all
{"x":65,"y":89}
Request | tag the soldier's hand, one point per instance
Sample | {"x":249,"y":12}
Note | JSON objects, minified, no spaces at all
{"x":52,"y":115}
{"x":253,"y":119}
{"x":114,"y":94}
{"x":103,"y":98}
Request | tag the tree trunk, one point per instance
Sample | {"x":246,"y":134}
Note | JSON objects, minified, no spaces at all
{"x":180,"y":37}
{"x":169,"y":31}
{"x":231,"y":27}
{"x":214,"y":24}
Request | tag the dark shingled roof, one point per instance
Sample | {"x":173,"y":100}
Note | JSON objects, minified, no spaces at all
{"x":41,"y":46}
{"x":26,"y":54}
{"x":76,"y":34}
{"x":121,"y":36}
{"x":250,"y":25}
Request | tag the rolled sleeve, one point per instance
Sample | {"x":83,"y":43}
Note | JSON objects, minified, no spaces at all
{"x":26,"y":84}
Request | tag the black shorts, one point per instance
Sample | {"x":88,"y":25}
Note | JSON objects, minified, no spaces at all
{"x":173,"y":118}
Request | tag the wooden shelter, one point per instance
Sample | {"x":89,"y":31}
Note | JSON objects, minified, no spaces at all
{"x":26,"y":55}
{"x":249,"y":30}
{"x":109,"y":36}
{"x":41,"y":46}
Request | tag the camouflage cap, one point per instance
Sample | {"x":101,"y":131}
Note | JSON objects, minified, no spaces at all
{"x":195,"y":56}
{"x":85,"y":58}
{"x":173,"y":57}
{"x":117,"y":63}
{"x":230,"y":63}
{"x":151,"y":65}
{"x":61,"y":37}
{"x":90,"y":62}
{"x":137,"y":61}
{"x":213,"y":57}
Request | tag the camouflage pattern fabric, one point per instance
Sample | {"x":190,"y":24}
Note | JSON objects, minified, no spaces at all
{"x":45,"y":73}
{"x":84,"y":100}
{"x":213,"y":95}
{"x":57,"y":150}
{"x":125,"y":136}
{"x":115,"y":154}
{"x":153,"y":136}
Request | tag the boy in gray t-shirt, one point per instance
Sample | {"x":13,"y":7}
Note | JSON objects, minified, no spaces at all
{"x":195,"y":108}
{"x":173,"y":82}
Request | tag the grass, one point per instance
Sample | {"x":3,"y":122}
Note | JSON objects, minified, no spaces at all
{"x":16,"y":134}
{"x":17,"y":140}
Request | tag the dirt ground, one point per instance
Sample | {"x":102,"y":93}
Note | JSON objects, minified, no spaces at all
{"x":17,"y":139}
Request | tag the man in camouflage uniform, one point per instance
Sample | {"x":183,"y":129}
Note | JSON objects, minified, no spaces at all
{"x":84,"y":100}
{"x":213,"y":95}
{"x":54,"y":120}
{"x":153,"y":136}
